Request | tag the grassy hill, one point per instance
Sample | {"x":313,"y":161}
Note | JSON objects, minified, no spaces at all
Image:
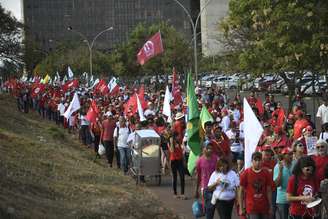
{"x":46,"y":173}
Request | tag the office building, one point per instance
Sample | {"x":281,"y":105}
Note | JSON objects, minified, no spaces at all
{"x":47,"y":20}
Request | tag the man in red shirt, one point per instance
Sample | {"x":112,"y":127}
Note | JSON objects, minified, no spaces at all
{"x":256,"y":184}
{"x":108,"y":127}
{"x":321,"y":159}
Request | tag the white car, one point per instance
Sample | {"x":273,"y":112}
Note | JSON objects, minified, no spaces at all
{"x":227,"y":82}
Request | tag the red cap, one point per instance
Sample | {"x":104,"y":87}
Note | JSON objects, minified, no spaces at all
{"x":299,"y":113}
{"x":309,"y":128}
{"x":286,"y":150}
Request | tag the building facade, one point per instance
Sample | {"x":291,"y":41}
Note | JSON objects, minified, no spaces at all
{"x":210,"y":18}
{"x":47,"y":21}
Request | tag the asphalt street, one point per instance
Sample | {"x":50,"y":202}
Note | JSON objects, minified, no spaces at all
{"x":183,"y":207}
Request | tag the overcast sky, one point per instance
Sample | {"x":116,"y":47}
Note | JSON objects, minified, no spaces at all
{"x":14,"y":6}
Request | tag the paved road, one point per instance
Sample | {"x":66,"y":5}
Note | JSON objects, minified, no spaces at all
{"x":183,"y":207}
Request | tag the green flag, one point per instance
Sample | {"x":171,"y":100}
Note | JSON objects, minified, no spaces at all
{"x":205,"y":116}
{"x":193,"y":118}
{"x":192,"y":162}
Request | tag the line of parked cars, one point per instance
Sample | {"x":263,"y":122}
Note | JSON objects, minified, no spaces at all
{"x":266,"y":82}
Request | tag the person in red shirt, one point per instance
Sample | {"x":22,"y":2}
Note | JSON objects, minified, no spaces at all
{"x":176,"y":158}
{"x":256,"y":184}
{"x":280,"y":140}
{"x":108,"y":127}
{"x":221,"y":144}
{"x":321,"y":159}
{"x":301,"y":189}
{"x":299,"y":125}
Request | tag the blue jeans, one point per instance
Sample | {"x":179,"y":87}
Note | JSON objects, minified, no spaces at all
{"x":283,"y":210}
{"x":125,"y":154}
{"x":209,"y":208}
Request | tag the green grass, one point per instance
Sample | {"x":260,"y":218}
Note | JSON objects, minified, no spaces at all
{"x":46,"y":173}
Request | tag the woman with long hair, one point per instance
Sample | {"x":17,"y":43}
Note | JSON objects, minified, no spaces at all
{"x":301,"y":189}
{"x":223,"y":182}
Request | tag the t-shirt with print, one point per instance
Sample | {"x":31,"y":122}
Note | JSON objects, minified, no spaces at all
{"x":227,"y":189}
{"x":256,"y":185}
{"x":205,"y":167}
{"x":306,"y":187}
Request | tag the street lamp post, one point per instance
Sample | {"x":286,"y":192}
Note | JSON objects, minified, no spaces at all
{"x":194,"y":26}
{"x":90,"y":45}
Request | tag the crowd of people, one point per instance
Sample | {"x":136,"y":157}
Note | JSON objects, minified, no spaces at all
{"x":289,"y":167}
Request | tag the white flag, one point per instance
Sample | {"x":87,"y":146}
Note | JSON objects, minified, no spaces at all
{"x":70,"y":73}
{"x":166,"y":104}
{"x":252,"y":131}
{"x":112,"y":84}
{"x":73,"y":106}
{"x":140,"y":111}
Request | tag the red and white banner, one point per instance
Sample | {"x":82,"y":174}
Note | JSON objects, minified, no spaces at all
{"x":151,"y":48}
{"x":70,"y":84}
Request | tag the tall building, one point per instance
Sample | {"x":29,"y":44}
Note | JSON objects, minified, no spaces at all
{"x":210,"y":18}
{"x":47,"y":21}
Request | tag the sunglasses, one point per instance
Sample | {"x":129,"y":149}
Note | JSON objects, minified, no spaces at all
{"x":320,"y":146}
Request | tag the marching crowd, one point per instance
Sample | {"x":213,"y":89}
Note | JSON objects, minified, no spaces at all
{"x":288,"y":170}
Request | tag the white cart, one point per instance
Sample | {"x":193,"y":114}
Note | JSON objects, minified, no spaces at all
{"x":146,"y":155}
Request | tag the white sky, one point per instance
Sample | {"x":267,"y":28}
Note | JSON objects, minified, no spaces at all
{"x":14,"y":6}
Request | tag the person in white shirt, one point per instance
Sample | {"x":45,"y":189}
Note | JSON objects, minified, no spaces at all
{"x":322,"y":113}
{"x":225,"y":123}
{"x":150,"y":110}
{"x":223,"y":182}
{"x":121,"y":134}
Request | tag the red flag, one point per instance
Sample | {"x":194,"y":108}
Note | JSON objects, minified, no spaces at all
{"x":176,"y":94}
{"x":131,"y":106}
{"x":70,"y":84}
{"x":92,"y":112}
{"x":151,"y":48}
{"x":259,"y":106}
{"x":101,"y":87}
{"x":38,"y":89}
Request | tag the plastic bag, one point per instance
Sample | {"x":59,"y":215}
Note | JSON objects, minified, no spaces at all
{"x":197,"y":209}
{"x":101,"y":149}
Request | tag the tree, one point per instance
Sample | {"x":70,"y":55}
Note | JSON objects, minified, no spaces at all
{"x":176,"y":52}
{"x":278,"y":36}
{"x":76,"y":56}
{"x":10,"y":36}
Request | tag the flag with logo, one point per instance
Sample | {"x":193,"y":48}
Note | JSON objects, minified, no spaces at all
{"x":70,"y":84}
{"x":113,"y":87}
{"x":150,"y":49}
